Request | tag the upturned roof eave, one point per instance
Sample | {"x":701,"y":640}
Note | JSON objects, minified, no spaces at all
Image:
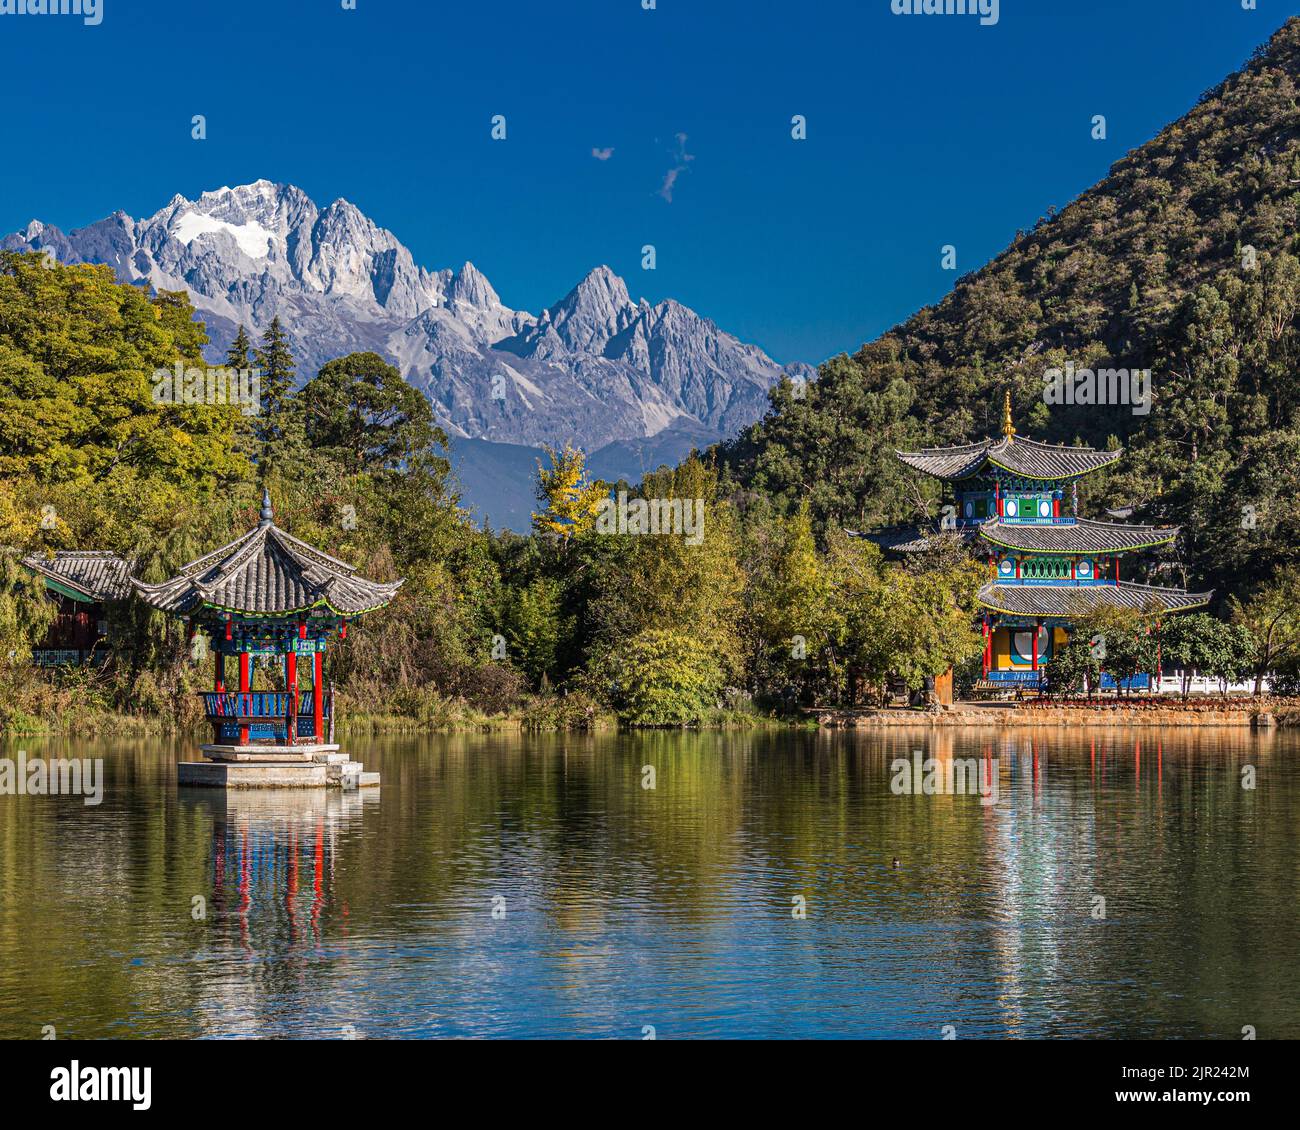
{"x":1170,"y":536}
{"x":986,"y":452}
{"x":1188,"y":601}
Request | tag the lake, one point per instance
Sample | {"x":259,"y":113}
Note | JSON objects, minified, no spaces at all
{"x":533,"y":886}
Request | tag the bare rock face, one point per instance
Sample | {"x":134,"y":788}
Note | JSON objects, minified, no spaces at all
{"x":593,"y":369}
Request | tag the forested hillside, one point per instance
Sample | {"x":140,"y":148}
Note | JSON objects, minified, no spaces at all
{"x":1152,"y":268}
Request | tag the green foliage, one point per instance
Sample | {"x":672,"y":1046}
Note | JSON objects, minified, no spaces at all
{"x":659,"y":677}
{"x":535,"y":627}
{"x":1270,"y":617}
{"x":1073,"y":668}
{"x":1148,"y":269}
{"x":360,"y":412}
{"x":1222,"y":651}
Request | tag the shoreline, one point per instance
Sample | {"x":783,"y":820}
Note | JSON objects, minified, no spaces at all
{"x":1257,"y":716}
{"x":1261,"y":715}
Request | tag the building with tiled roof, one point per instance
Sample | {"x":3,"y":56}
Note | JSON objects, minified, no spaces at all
{"x":268,"y":594}
{"x":83,"y":582}
{"x":1017,"y":500}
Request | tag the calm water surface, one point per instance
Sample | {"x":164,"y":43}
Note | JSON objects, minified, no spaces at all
{"x":618,"y":907}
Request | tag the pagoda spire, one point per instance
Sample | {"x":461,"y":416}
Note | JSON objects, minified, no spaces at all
{"x":1008,"y":428}
{"x":268,"y":515}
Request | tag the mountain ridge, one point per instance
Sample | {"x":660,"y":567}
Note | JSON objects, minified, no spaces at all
{"x":340,"y":282}
{"x":1185,"y":260}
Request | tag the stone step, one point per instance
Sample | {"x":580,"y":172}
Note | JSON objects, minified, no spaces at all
{"x":334,"y":758}
{"x":243,"y":775}
{"x":340,"y":769}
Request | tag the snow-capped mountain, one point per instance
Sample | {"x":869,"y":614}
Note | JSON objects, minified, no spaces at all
{"x":596,"y":368}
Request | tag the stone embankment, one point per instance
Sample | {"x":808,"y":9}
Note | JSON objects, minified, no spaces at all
{"x":1258,"y":713}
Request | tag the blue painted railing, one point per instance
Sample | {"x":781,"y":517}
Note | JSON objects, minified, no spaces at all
{"x":258,"y":704}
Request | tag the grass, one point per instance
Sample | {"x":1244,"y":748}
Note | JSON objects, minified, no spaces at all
{"x":33,"y":703}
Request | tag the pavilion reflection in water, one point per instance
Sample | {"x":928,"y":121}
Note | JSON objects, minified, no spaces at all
{"x":272,"y":858}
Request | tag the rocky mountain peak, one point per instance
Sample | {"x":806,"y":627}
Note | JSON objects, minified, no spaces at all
{"x":595,"y":368}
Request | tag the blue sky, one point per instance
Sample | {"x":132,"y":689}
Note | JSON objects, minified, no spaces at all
{"x":922,"y":131}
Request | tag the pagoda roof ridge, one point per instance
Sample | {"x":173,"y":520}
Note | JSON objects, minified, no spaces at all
{"x":268,"y":572}
{"x":1083,"y":535}
{"x":1028,"y":458}
{"x":1063,"y":601}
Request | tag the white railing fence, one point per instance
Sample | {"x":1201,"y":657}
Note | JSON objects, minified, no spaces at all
{"x":1171,"y":682}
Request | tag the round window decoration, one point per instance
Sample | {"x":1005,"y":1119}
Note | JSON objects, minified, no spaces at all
{"x":970,"y":510}
{"x":1011,"y":507}
{"x":1006,"y":568}
{"x":1023,"y":641}
{"x":1044,"y":508}
{"x":1085,"y":569}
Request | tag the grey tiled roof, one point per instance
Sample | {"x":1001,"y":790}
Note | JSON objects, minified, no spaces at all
{"x":270,"y":572}
{"x":1075,"y":600}
{"x":1082,"y":536}
{"x":1024,"y":457}
{"x":96,"y":573}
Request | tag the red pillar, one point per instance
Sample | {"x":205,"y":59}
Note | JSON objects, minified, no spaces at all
{"x":1038,"y":627}
{"x":318,"y":693}
{"x":1117,"y":570}
{"x":245,"y":685}
{"x":219,"y":674}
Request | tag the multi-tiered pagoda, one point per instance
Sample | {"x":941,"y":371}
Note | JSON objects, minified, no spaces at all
{"x":1018,"y":501}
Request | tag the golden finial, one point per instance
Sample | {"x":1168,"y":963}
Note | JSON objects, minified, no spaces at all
{"x":1008,"y":428}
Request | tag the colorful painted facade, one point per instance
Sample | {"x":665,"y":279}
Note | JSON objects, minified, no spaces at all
{"x":84,"y":584}
{"x":268,"y":594}
{"x":1016,"y":500}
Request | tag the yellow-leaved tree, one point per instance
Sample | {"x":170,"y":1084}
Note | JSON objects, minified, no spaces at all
{"x":570,"y":501}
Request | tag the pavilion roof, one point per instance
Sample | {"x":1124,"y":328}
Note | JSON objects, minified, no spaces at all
{"x":1025,"y":458}
{"x":1080,"y":536}
{"x":1076,"y":600}
{"x":95,"y":574}
{"x":270,"y":573}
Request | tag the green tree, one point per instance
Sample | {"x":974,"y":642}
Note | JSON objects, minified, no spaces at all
{"x":275,"y":361}
{"x":1271,"y":618}
{"x":240,"y":353}
{"x":359,"y":410}
{"x":660,"y":677}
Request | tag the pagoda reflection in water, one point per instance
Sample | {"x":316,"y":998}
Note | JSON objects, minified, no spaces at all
{"x":272,"y":861}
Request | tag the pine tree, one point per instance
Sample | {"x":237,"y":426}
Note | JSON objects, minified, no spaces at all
{"x":239,"y":355}
{"x":275,"y":360}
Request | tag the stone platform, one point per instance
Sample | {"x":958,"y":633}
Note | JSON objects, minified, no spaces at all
{"x":270,"y":766}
